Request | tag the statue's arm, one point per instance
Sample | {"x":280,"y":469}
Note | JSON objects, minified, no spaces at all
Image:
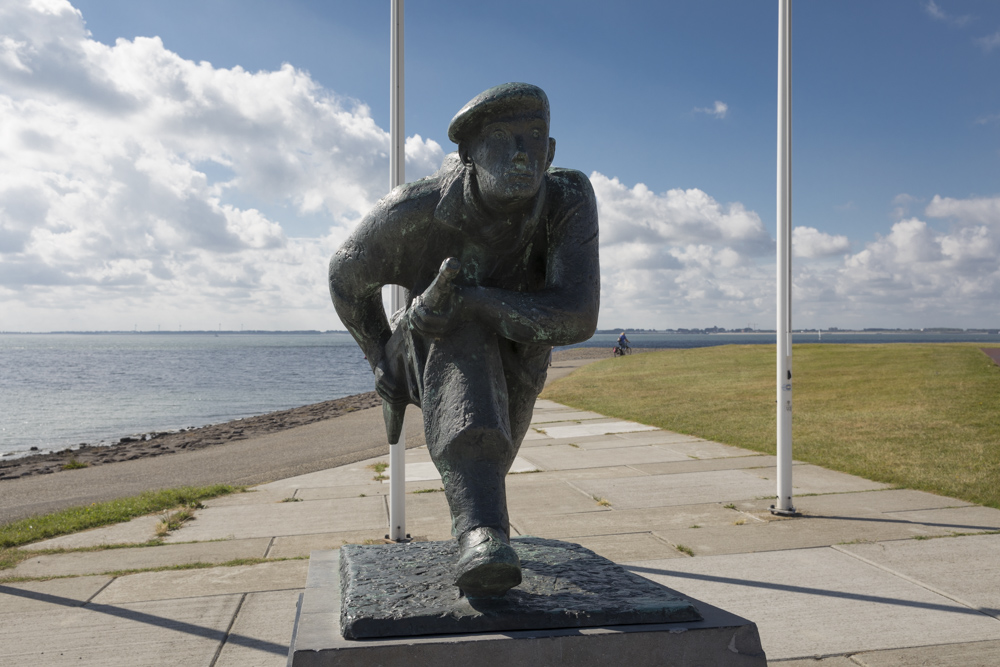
{"x":358,"y":270}
{"x":565,"y":311}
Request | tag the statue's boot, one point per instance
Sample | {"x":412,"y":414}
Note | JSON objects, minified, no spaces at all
{"x":488,"y":566}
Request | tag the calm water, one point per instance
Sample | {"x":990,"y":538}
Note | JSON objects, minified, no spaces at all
{"x":59,"y":390}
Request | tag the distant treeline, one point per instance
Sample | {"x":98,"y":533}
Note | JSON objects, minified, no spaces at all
{"x":711,"y":330}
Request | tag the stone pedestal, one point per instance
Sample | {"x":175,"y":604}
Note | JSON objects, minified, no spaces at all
{"x":573,"y":608}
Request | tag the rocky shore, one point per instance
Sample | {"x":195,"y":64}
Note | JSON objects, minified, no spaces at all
{"x":159,"y":444}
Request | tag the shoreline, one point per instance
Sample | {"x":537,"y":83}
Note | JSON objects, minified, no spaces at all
{"x":187,"y":440}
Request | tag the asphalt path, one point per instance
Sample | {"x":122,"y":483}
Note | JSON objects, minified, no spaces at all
{"x":318,"y":446}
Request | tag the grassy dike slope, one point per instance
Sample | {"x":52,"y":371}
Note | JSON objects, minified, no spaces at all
{"x":921,"y":416}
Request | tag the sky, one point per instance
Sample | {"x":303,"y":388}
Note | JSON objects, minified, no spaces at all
{"x":193,"y":164}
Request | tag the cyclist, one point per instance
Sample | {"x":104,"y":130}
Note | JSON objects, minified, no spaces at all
{"x":623,"y":347}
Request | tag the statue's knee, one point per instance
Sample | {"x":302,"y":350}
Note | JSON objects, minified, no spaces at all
{"x":475,"y":445}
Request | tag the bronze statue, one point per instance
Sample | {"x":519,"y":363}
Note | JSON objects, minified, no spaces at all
{"x":498,"y":252}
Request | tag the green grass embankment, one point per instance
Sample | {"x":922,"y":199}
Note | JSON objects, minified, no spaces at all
{"x":76,"y":519}
{"x":920,"y":416}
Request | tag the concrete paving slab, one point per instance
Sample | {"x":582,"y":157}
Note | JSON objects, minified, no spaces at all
{"x":798,"y":533}
{"x":546,"y":404}
{"x":565,"y":457}
{"x":569,"y":415}
{"x":300,"y":546}
{"x":808,"y":478}
{"x":112,"y":560}
{"x":972,"y":519}
{"x":571,"y":526}
{"x":424,"y":529}
{"x":430,"y":506}
{"x":348,"y":491}
{"x":354,"y":473}
{"x":678,"y":489}
{"x":703,"y":465}
{"x":629,"y":547}
{"x":318,"y":516}
{"x":176,"y":584}
{"x":837,"y":606}
{"x":609,"y":441}
{"x":851,"y":504}
{"x":962,"y":568}
{"x":262,"y":631}
{"x":832,"y":661}
{"x":146,"y":634}
{"x":594,"y":473}
{"x":594,"y":428}
{"x":971,"y":654}
{"x":706,"y":449}
{"x":252,"y":496}
{"x":360,"y":490}
{"x":426,"y":471}
{"x":138,"y":530}
{"x":532,"y":435}
{"x":549,"y":496}
{"x":34,"y":596}
{"x":658,"y":437}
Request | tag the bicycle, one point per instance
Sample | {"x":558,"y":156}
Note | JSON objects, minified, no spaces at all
{"x":622,"y":350}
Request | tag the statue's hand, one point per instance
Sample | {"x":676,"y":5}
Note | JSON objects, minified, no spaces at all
{"x":435,"y":321}
{"x":388,"y":386}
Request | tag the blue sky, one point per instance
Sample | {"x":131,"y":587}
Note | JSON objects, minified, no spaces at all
{"x":668,"y":106}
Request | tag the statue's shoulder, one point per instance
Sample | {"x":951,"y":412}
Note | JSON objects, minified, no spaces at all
{"x":568,"y":184}
{"x":425,"y":193}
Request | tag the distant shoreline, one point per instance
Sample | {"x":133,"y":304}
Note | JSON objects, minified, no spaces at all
{"x":601,"y":332}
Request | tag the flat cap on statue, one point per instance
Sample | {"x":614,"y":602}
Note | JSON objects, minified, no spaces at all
{"x":503,"y":99}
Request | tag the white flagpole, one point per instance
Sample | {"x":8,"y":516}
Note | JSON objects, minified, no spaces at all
{"x":397,"y":176}
{"x":784,"y":272}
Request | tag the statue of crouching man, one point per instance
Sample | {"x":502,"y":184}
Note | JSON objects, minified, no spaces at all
{"x":498,"y":253}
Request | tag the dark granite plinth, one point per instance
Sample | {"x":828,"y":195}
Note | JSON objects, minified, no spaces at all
{"x":720,"y":639}
{"x":396,"y":590}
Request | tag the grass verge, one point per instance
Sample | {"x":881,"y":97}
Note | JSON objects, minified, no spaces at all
{"x":76,"y":519}
{"x":920,"y":416}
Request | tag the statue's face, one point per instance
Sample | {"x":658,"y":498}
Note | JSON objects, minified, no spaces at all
{"x":510,"y":156}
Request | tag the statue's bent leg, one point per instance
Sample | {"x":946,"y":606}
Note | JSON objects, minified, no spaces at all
{"x":465,"y":408}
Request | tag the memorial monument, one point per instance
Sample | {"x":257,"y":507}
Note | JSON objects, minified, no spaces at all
{"x":498,"y":251}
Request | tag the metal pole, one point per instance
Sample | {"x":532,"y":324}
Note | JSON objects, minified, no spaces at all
{"x":784,"y":270}
{"x":397,"y":176}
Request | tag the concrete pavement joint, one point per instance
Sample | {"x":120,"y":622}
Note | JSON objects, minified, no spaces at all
{"x":807,"y":590}
{"x":98,"y":591}
{"x":917,"y":582}
{"x":229,"y":629}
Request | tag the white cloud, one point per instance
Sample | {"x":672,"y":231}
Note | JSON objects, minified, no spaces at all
{"x":917,"y":274}
{"x":989,"y":42}
{"x":719,"y":110}
{"x":810,"y":242}
{"x":976,"y":211}
{"x":105,"y":194}
{"x":680,"y":258}
{"x":939,"y":14}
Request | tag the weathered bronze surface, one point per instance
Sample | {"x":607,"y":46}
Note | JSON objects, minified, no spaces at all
{"x":471,"y":347}
{"x":405,"y":589}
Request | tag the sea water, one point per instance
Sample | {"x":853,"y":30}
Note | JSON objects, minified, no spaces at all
{"x":61,"y":390}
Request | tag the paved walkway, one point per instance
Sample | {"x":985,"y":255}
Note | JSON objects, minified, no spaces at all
{"x":856,"y":580}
